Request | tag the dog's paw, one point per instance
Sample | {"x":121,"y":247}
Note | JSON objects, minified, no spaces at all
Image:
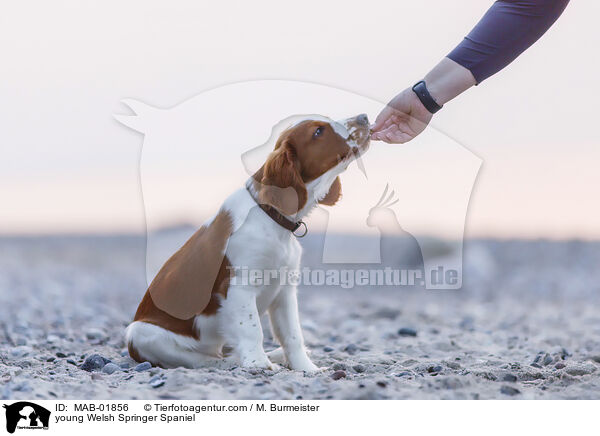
{"x":260,"y":362}
{"x":277,"y":356}
{"x":307,"y":367}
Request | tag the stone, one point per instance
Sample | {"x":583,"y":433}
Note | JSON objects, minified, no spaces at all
{"x":579,"y":370}
{"x":434,"y":369}
{"x":509,"y":390}
{"x":450,"y":383}
{"x":407,"y":332}
{"x":387,"y":313}
{"x":595,"y":358}
{"x":351,"y":349}
{"x":144,"y":366}
{"x":338,"y":375}
{"x":110,"y":368}
{"x":156,"y":382}
{"x":21,"y":351}
{"x":95,"y":334}
{"x":467,"y":323}
{"x":95,"y":362}
{"x":359,"y":368}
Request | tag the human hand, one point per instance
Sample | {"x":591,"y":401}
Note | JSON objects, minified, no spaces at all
{"x":401,"y":120}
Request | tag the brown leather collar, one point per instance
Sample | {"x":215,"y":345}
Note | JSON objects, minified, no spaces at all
{"x":278,"y":217}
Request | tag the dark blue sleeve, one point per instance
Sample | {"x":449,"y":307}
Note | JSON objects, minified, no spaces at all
{"x":507,"y":29}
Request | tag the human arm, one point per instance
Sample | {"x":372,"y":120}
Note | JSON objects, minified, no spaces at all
{"x":507,"y":29}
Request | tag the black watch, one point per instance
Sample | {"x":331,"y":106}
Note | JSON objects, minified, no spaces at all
{"x":421,"y":90}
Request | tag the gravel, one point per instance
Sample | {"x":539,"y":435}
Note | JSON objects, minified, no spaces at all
{"x":63,"y":337}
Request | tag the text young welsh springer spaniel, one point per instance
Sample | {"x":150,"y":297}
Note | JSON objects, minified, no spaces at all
{"x":195,"y":305}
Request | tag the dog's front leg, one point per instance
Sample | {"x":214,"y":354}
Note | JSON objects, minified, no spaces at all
{"x":285,"y":324}
{"x":242,"y":329}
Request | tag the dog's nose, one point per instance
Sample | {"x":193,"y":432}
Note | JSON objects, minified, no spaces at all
{"x":362,"y":119}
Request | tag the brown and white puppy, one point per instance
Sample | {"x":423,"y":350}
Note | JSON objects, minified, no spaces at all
{"x":195,"y":305}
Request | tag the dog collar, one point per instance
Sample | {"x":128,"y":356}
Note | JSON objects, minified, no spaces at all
{"x":278,"y":217}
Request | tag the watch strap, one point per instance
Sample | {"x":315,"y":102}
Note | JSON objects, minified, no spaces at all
{"x":430,"y":104}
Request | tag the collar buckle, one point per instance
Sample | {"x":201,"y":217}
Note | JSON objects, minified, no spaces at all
{"x":305,"y":230}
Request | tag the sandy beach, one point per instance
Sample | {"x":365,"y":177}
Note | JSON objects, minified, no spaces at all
{"x":525,"y":325}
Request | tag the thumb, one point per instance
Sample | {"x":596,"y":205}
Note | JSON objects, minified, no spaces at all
{"x":381,"y":119}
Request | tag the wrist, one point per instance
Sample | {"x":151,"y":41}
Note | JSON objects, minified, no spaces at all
{"x":447,"y":80}
{"x":422,"y":93}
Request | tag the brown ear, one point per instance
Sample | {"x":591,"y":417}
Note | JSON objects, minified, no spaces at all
{"x":281,"y":185}
{"x":334,"y":194}
{"x":183,"y":286}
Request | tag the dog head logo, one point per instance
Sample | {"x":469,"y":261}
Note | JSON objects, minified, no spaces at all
{"x":26,"y":415}
{"x":198,"y":152}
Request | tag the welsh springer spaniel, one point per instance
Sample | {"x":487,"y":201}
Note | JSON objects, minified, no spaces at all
{"x":195,"y":305}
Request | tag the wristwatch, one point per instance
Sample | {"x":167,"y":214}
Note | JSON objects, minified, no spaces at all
{"x":421,"y":90}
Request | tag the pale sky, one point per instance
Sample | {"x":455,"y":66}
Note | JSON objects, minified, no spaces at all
{"x":68,"y":166}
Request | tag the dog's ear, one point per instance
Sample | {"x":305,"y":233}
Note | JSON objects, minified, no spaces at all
{"x":334,"y":194}
{"x":281,"y":184}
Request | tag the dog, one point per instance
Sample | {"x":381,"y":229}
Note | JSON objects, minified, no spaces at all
{"x":196,"y":306}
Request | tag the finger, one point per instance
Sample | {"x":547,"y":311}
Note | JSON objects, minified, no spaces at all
{"x":390,"y":121}
{"x":383,"y":116}
{"x":376,"y":136}
{"x":382,"y":134}
{"x":398,"y":137}
{"x":395,"y":135}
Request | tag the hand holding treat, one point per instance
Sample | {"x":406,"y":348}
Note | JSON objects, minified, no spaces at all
{"x":401,"y":120}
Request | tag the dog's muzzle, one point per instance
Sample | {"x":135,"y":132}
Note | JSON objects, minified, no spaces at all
{"x":359,"y":132}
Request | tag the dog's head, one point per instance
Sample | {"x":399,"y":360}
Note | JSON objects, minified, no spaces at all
{"x":307,"y":159}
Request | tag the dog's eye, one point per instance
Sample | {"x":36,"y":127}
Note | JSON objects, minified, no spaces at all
{"x":318,"y":132}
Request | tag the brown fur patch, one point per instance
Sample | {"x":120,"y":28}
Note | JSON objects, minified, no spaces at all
{"x":334,"y":194}
{"x":133,"y":353}
{"x":191,"y":282}
{"x":302,"y":153}
{"x":282,"y":186}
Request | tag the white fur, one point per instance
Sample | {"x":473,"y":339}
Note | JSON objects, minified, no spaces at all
{"x":259,"y":243}
{"x":156,"y":344}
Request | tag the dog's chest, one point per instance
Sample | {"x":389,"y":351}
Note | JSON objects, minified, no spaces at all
{"x":265,"y":255}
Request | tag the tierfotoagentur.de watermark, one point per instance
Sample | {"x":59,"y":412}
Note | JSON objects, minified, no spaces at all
{"x":344,"y":278}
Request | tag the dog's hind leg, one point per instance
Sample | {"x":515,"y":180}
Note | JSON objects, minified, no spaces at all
{"x":148,"y":342}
